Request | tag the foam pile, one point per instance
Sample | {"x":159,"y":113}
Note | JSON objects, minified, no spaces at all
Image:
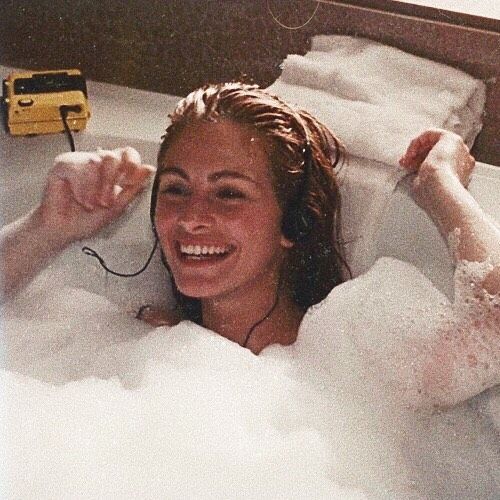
{"x":377,"y":98}
{"x":99,"y":403}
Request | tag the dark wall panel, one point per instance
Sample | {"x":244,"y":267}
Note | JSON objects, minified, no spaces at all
{"x":175,"y":46}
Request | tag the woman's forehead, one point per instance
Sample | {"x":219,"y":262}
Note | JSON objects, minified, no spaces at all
{"x":220,"y":145}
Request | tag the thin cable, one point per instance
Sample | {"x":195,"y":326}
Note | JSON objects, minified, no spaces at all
{"x":64,"y":114}
{"x":277,"y":21}
{"x":63,"y":111}
{"x":273,"y":307}
{"x":93,"y":253}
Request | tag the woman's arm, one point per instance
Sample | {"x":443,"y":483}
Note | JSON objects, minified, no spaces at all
{"x":84,"y":193}
{"x":463,"y":358}
{"x":443,"y":166}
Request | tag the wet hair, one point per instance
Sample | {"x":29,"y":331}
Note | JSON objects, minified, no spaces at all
{"x":316,"y":263}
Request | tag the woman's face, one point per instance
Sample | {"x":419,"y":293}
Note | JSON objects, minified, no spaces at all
{"x":217,"y":216}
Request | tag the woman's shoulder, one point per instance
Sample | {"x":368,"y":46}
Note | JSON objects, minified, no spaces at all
{"x":157,"y":316}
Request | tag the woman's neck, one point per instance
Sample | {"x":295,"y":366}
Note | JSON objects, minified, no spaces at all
{"x":267,"y":311}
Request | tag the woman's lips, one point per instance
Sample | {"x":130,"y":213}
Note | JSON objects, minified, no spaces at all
{"x":203,"y":252}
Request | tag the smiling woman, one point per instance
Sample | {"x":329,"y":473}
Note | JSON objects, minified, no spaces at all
{"x":204,"y":204}
{"x":231,"y":168}
{"x":232,"y":209}
{"x":221,"y":199}
{"x":245,"y":204}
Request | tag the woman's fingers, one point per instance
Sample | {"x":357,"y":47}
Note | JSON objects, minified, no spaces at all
{"x":99,"y":180}
{"x":109,"y":168}
{"x":136,"y":183}
{"x":436,"y":155}
{"x":81,"y":171}
{"x":123,"y":176}
{"x":419,"y":148}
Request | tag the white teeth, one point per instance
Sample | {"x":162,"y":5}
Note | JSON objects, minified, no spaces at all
{"x":203,"y":250}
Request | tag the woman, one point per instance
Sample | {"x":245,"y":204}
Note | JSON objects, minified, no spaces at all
{"x":237,"y":170}
{"x":246,"y":209}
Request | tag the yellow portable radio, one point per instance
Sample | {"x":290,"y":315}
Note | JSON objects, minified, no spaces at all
{"x":39,"y":102}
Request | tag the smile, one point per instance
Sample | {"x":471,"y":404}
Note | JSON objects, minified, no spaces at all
{"x":204,"y":252}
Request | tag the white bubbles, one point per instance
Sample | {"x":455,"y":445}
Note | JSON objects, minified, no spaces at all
{"x":211,"y":421}
{"x":99,"y":403}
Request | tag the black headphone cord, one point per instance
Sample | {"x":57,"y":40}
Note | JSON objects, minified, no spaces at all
{"x":64,"y":111}
{"x":92,"y":253}
{"x":268,"y":314}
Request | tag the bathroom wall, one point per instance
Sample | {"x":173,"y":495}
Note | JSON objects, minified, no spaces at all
{"x":174,"y":46}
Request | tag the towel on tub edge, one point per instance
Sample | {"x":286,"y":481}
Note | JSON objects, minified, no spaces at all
{"x":376,"y":98}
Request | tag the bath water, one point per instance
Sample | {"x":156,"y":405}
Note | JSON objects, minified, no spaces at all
{"x":100,"y":405}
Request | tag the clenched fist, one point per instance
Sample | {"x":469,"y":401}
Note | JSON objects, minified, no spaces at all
{"x":440,"y":159}
{"x":86,"y":191}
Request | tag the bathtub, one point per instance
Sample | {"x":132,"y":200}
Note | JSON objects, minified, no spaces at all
{"x":379,"y":219}
{"x":379,"y":216}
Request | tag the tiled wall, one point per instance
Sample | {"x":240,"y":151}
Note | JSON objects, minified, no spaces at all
{"x":174,"y":46}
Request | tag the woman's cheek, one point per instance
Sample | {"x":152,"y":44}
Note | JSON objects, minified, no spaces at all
{"x":164,"y":224}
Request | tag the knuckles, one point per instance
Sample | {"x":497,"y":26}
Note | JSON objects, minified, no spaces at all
{"x":447,"y":152}
{"x":115,"y":157}
{"x":91,"y":175}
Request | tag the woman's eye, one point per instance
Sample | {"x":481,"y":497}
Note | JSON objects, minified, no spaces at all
{"x":175,"y":190}
{"x":230,"y":194}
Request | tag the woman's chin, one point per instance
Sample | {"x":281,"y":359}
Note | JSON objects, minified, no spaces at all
{"x":199,"y":290}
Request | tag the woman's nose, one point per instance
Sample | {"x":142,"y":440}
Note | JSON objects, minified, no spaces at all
{"x":196,"y":217}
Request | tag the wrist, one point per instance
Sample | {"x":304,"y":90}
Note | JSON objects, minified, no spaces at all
{"x":449,"y":204}
{"x":46,"y":234}
{"x":438,"y":188}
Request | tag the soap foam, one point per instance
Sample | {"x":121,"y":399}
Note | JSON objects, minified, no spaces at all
{"x":101,"y":404}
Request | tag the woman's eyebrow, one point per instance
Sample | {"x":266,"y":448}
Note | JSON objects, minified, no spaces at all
{"x":216,"y":176}
{"x":231,"y":174}
{"x":174,"y":170}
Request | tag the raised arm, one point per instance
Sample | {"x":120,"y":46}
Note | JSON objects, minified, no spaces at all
{"x":463,"y":358}
{"x":84,"y":193}
{"x":443,"y":167}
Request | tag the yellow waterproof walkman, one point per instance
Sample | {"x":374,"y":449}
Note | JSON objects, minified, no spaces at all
{"x":34,"y":102}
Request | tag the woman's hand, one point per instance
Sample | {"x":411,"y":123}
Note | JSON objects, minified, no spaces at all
{"x":438,"y":158}
{"x":158,"y":317}
{"x":84,"y":192}
{"x":87,"y":191}
{"x":443,"y":167}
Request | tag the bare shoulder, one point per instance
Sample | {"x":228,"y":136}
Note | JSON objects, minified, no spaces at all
{"x":159,"y":317}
